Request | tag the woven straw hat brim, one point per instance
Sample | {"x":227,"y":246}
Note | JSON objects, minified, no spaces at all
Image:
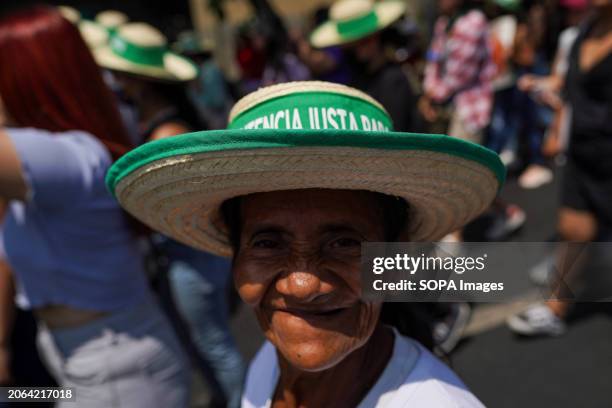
{"x":326,"y":35}
{"x":93,"y":33}
{"x":70,"y":13}
{"x":176,"y":68}
{"x":177,"y":185}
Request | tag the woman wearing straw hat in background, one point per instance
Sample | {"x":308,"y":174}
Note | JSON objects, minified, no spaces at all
{"x":305,"y":172}
{"x":357,"y":26}
{"x":68,"y":243}
{"x":154,"y":79}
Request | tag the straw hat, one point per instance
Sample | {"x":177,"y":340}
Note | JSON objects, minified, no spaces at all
{"x":138,"y":48}
{"x":70,"y":13}
{"x":97,"y":33}
{"x":303,"y":135}
{"x":350,"y":20}
{"x":94,"y":34}
{"x":111,"y":19}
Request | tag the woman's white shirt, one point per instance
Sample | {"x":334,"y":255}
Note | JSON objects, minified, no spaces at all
{"x":412,"y":378}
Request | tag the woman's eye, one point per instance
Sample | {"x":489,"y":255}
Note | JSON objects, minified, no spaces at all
{"x":345,"y":242}
{"x":266,"y":244}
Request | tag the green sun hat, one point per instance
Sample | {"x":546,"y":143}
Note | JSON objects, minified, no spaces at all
{"x":141,"y":49}
{"x":351,"y":20}
{"x":303,"y":135}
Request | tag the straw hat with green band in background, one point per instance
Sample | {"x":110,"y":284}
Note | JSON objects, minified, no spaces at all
{"x":70,"y":13}
{"x":351,"y":20}
{"x":140,"y":49}
{"x":111,"y":19}
{"x":95,"y":33}
{"x":302,"y":135}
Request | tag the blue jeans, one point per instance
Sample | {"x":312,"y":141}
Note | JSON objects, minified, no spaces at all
{"x":516,"y":114}
{"x":199,"y":283}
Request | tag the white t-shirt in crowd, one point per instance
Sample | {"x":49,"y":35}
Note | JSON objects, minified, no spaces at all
{"x":413,"y":378}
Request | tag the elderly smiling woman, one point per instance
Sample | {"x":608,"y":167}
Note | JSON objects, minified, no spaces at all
{"x":305,"y":173}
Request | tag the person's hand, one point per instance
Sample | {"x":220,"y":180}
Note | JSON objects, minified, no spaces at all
{"x":427,"y":109}
{"x":5,"y":366}
{"x":552,"y":99}
{"x":527,"y":82}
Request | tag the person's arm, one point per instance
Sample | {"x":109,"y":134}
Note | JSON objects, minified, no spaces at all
{"x":50,"y":170}
{"x":12,"y":183}
{"x":549,"y":85}
{"x":553,"y":144}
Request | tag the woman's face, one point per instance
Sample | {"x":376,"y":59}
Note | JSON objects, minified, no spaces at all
{"x":298,"y":266}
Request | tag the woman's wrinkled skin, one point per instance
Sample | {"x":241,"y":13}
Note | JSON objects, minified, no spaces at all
{"x":298,"y":266}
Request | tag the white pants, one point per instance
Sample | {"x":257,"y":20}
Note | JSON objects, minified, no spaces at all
{"x":130,"y":358}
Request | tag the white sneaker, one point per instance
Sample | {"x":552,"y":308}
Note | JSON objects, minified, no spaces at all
{"x":537,"y":320}
{"x":535,"y":176}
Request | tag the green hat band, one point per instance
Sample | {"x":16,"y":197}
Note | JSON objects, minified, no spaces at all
{"x":314,"y":111}
{"x":357,"y":26}
{"x":153,"y":55}
{"x":512,"y":5}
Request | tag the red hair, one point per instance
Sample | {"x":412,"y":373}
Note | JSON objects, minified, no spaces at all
{"x":49,"y":79}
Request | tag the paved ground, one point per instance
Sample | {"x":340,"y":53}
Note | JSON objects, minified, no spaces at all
{"x":506,"y":371}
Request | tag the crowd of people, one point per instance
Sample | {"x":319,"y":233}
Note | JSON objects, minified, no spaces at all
{"x":119,"y":252}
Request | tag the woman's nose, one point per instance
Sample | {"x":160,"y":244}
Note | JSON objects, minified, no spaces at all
{"x":301,"y":281}
{"x":303,"y":286}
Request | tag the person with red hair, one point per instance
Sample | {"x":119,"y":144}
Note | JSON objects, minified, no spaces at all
{"x":75,"y":259}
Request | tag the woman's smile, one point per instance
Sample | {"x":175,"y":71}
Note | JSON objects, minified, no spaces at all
{"x":319,"y":317}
